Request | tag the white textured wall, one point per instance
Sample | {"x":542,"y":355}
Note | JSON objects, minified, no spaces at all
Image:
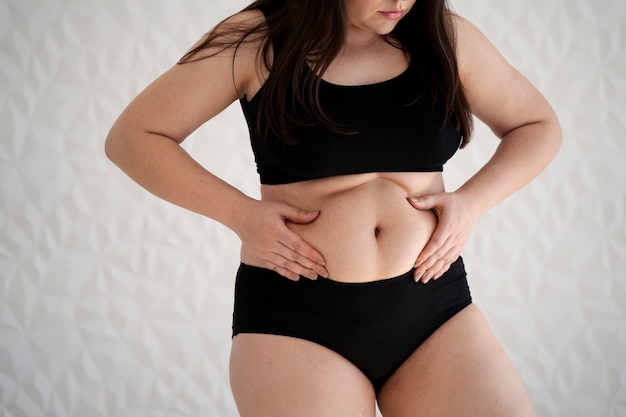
{"x":113,"y":303}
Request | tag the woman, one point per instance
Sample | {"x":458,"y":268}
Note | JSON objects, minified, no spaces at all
{"x":351,"y":288}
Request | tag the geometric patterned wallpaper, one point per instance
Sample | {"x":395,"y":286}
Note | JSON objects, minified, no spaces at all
{"x":114,"y":303}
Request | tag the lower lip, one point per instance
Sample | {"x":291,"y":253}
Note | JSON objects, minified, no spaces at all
{"x":392,"y":15}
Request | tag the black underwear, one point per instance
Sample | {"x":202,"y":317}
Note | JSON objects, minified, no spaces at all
{"x":375,"y":325}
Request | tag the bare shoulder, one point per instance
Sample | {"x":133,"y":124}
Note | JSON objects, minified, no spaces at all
{"x":474,"y":50}
{"x":201,"y":86}
{"x":497,"y":93}
{"x":244,"y":21}
{"x":242,"y":32}
{"x":240,"y":40}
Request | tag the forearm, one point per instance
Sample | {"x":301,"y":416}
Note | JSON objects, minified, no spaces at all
{"x":164,"y":168}
{"x":521,"y":155}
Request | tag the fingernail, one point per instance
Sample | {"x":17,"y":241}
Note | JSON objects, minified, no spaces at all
{"x":417,"y":276}
{"x":312,"y":276}
{"x":323,"y":273}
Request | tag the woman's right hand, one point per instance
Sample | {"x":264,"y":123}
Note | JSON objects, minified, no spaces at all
{"x":269,"y":242}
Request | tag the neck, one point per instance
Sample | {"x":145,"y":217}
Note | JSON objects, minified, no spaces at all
{"x":358,"y":39}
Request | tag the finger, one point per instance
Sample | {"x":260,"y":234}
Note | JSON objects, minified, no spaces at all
{"x":441,"y":265}
{"x":290,"y":267}
{"x":437,"y":271}
{"x":443,"y":270}
{"x":452,"y":255}
{"x":301,"y":252}
{"x":436,"y":244}
{"x":429,"y":267}
{"x":431,"y":272}
{"x":425,"y":202}
{"x":438,"y":268}
{"x":284,"y":272}
{"x":294,"y":265}
{"x":308,"y":265}
{"x":295,"y":215}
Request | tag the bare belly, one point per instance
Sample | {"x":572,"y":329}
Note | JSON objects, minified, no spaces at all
{"x":366,"y":230}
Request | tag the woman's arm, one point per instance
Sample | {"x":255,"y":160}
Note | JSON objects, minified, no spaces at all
{"x":514,"y":110}
{"x":145,"y":143}
{"x":530,"y":137}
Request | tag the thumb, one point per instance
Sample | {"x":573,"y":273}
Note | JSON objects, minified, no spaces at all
{"x":425,"y":202}
{"x":295,"y":215}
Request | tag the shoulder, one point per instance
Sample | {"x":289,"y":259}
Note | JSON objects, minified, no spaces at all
{"x":234,"y":46}
{"x":245,"y":29}
{"x":474,"y":50}
{"x":497,"y":93}
{"x":244,"y":20}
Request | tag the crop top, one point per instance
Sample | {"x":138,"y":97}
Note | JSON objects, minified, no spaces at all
{"x":399,"y":128}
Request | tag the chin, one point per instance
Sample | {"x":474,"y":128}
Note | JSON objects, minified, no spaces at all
{"x":386,"y":30}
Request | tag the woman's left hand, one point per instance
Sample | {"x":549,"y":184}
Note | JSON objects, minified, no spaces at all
{"x":456,"y":214}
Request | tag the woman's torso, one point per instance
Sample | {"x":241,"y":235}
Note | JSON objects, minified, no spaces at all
{"x":366,"y":230}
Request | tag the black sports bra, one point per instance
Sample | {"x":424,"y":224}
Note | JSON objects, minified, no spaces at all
{"x":399,"y":125}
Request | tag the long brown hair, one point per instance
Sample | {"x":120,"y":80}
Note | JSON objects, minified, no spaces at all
{"x":312,"y":32}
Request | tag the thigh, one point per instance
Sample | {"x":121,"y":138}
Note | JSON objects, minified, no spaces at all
{"x":460,"y":370}
{"x":285,"y":376}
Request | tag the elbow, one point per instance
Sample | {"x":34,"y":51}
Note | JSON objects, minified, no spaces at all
{"x":118,"y":149}
{"x":555,"y":134}
{"x":116,"y":144}
{"x":547,"y":132}
{"x":110,"y":149}
{"x":549,"y":137}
